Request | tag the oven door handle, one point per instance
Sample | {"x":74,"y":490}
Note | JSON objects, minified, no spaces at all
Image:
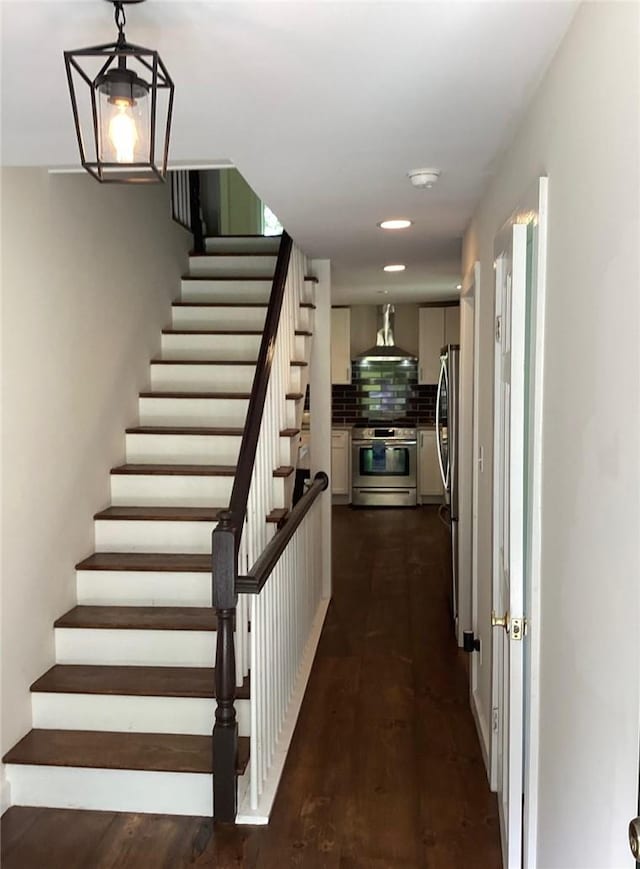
{"x":386,"y":444}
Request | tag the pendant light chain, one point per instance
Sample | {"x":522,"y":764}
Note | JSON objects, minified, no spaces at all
{"x":120,"y":19}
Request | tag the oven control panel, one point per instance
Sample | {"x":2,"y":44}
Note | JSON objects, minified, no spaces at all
{"x":386,"y":434}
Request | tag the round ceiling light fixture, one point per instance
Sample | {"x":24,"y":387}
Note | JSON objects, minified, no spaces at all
{"x":396,"y":223}
{"x":423,"y":179}
{"x":394,"y":268}
{"x":458,"y":286}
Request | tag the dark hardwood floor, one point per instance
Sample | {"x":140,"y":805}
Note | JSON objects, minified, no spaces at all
{"x":385,"y":770}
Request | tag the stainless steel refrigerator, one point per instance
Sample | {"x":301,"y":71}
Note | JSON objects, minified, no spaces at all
{"x":447,"y":429}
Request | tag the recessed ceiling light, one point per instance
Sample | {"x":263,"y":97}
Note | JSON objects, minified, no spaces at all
{"x":394,"y":268}
{"x":383,"y":292}
{"x":458,"y":286}
{"x":396,"y":223}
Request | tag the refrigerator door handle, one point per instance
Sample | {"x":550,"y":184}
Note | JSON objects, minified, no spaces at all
{"x":443,"y":376}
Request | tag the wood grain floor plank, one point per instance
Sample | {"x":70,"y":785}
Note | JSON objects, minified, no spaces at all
{"x":384,"y":771}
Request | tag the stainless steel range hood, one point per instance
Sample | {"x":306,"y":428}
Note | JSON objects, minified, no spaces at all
{"x":385,"y":347}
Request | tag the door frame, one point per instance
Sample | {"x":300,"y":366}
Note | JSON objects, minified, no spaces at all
{"x":533,"y":209}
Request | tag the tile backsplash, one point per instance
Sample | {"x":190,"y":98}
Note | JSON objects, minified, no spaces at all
{"x":384,"y":390}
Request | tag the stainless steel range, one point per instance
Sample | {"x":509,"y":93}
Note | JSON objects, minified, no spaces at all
{"x":384,"y":466}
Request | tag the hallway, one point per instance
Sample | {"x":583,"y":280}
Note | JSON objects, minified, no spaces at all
{"x":385,"y":770}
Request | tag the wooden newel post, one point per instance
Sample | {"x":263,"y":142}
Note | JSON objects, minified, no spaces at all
{"x":225,"y":729}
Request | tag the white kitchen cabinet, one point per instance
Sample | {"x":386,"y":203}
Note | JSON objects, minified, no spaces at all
{"x":430,"y":342}
{"x":340,"y":462}
{"x":430,"y":488}
{"x":341,"y":345}
{"x":452,"y":325}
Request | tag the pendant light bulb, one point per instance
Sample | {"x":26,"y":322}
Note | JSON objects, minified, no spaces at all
{"x":123,"y":133}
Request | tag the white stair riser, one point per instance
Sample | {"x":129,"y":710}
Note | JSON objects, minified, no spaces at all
{"x":305,"y":319}
{"x":138,"y":536}
{"x":130,"y":490}
{"x":303,"y":347}
{"x":193,"y":411}
{"x":308,"y":291}
{"x":246,"y":244}
{"x":225,"y":291}
{"x":218,"y":318}
{"x":134,"y":714}
{"x":169,"y":449}
{"x":142,"y":588}
{"x":112,"y":790}
{"x":110,"y":646}
{"x":231,"y":264}
{"x":194,"y":449}
{"x":211,"y":347}
{"x":202,"y":378}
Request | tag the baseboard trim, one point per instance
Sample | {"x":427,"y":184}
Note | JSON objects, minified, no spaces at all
{"x":246,"y":815}
{"x":483,"y":733}
{"x":5,"y":794}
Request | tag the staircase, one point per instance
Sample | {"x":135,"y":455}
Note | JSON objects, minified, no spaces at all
{"x":123,"y":720}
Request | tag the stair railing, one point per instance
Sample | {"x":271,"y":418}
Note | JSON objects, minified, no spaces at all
{"x":242,"y":538}
{"x":186,"y":205}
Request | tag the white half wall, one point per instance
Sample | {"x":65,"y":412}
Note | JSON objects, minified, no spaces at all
{"x":581,"y":130}
{"x":88,"y":274}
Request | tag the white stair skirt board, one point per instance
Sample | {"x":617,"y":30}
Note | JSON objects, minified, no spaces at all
{"x":193,"y":411}
{"x":245,"y":244}
{"x":225,"y":291}
{"x":113,"y":790}
{"x":115,"y":535}
{"x":134,"y":714}
{"x":246,"y":815}
{"x":226,"y":348}
{"x":230,"y":264}
{"x":112,"y":646}
{"x":199,"y":378}
{"x":229,"y":317}
{"x":142,"y":588}
{"x":182,"y":449}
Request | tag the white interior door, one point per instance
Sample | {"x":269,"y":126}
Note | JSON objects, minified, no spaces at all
{"x":508,"y":535}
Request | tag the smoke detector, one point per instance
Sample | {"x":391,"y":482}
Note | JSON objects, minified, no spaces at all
{"x":424,"y":178}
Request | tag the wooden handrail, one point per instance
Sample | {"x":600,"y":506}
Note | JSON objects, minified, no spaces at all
{"x":249,"y":444}
{"x":255,"y":580}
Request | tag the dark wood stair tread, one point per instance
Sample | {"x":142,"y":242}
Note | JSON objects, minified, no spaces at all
{"x":208,"y":253}
{"x":142,"y":618}
{"x":212,"y":332}
{"x":132,"y":681}
{"x":161,"y":562}
{"x":162,"y":514}
{"x":160,"y":752}
{"x":220,"y":304}
{"x":304,"y":332}
{"x":188,"y":470}
{"x":177,"y":470}
{"x":308,"y":304}
{"x":224,"y":431}
{"x":227,"y":396}
{"x":204,"y":362}
{"x":295,"y":396}
{"x":268,"y":278}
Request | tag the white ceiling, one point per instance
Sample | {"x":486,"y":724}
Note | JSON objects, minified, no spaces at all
{"x":323,"y":106}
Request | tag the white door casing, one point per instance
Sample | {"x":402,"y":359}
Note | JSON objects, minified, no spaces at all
{"x":508,"y":534}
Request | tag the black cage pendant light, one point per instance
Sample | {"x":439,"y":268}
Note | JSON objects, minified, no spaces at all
{"x":122,"y":100}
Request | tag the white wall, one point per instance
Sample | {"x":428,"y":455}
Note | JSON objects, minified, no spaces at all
{"x":582,"y":130}
{"x":88,"y":273}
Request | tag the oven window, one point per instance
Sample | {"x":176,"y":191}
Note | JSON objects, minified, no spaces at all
{"x":384,"y":461}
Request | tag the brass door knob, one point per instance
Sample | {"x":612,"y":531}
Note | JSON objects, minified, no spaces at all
{"x":500,"y":621}
{"x":634,"y":838}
